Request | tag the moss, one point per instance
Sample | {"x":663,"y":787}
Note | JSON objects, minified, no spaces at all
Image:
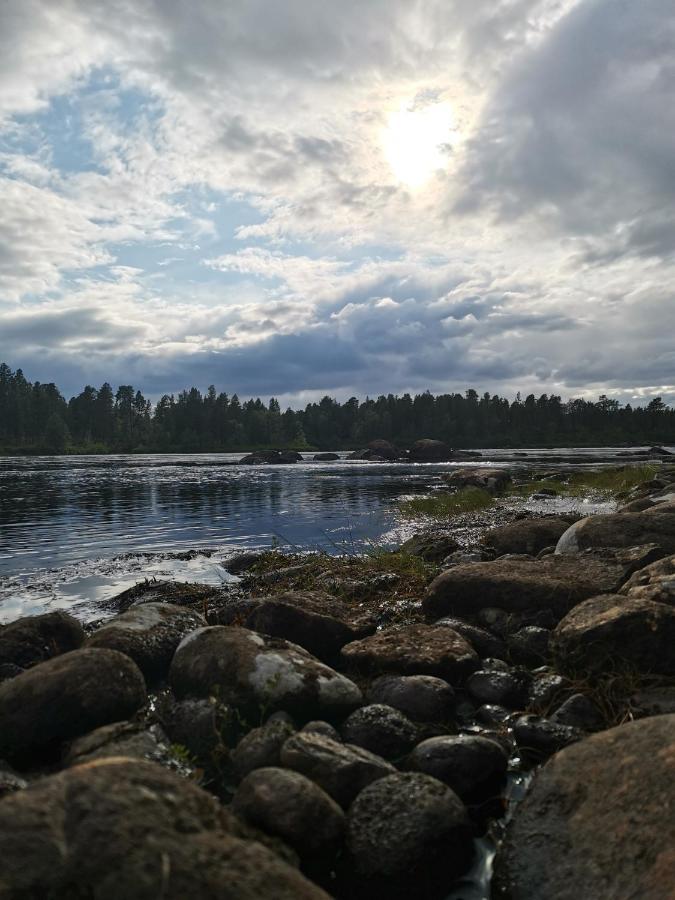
{"x":445,"y":506}
{"x":610,"y":482}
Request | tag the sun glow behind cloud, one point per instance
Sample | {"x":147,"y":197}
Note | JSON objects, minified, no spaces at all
{"x":416,"y":141}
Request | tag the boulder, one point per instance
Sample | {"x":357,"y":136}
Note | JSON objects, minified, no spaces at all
{"x":613,"y":629}
{"x":530,"y":646}
{"x":126,"y":828}
{"x":385,"y":450}
{"x":554,"y":583}
{"x":428,"y":451}
{"x":431,"y":546}
{"x":34,"y":639}
{"x":10,"y":781}
{"x":408,"y":835}
{"x":655,"y":582}
{"x":267,"y":457}
{"x":260,"y":748}
{"x":494,"y":481}
{"x":253,"y":672}
{"x":342,"y":770}
{"x":198,"y":725}
{"x":423,"y":698}
{"x":470,"y":764}
{"x":505,"y":688}
{"x":326,"y":457}
{"x":414,"y":650}
{"x":130,"y":739}
{"x":483,"y":641}
{"x":580,"y":712}
{"x":623,"y":529}
{"x":324,"y":728}
{"x":596,"y":820}
{"x":526,"y":535}
{"x":65,"y":697}
{"x":289,"y":806}
{"x":538,"y":737}
{"x":148,"y":634}
{"x":381,"y":729}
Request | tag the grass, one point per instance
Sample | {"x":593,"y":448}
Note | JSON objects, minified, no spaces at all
{"x":611,"y":482}
{"x":445,"y":506}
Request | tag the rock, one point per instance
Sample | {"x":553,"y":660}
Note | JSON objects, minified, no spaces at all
{"x":148,"y":634}
{"x":288,"y":805}
{"x":503,"y":688}
{"x":304,"y":619}
{"x":381,"y":729}
{"x":325,"y":457}
{"x":342,"y":770}
{"x":195,"y":596}
{"x":555,"y":583}
{"x":65,"y":697}
{"x":529,"y":646}
{"x":385,"y":450}
{"x":538,"y":738}
{"x":196,"y":725}
{"x":427,"y":450}
{"x":656,"y":701}
{"x":9,"y":670}
{"x":267,"y":457}
{"x":659,"y":451}
{"x":469,"y":764}
{"x":423,"y":698}
{"x":622,"y":529}
{"x":494,"y":481}
{"x":612,"y":629}
{"x":579,"y":712}
{"x":596,"y":820}
{"x":545,"y":494}
{"x":10,"y":781}
{"x":260,"y":748}
{"x":242,"y":562}
{"x":460,"y":557}
{"x":408,"y":835}
{"x":250,"y":671}
{"x":493,"y":715}
{"x":430,"y":546}
{"x":34,"y":639}
{"x":484,"y":642}
{"x":127,"y":828}
{"x":130,"y":739}
{"x":324,"y":728}
{"x":655,"y":582}
{"x":414,"y":650}
{"x":545,"y":688}
{"x":526,"y":535}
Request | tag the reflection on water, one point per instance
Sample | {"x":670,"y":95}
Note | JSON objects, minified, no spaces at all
{"x":78,"y":528}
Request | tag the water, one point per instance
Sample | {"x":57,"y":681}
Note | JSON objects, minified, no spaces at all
{"x":74,"y":530}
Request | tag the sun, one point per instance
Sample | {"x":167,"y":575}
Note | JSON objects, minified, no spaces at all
{"x":415,"y":141}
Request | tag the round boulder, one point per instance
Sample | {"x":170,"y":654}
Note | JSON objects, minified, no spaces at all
{"x":381,"y":729}
{"x":526,"y":535}
{"x":428,"y":450}
{"x":468,"y":763}
{"x":423,"y":698}
{"x":34,"y":639}
{"x":260,"y":748}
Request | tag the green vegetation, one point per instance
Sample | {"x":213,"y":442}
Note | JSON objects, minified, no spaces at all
{"x":611,"y":481}
{"x":445,"y":506}
{"x":35,"y":417}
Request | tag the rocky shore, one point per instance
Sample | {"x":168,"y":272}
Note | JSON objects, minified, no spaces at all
{"x":353,"y":727}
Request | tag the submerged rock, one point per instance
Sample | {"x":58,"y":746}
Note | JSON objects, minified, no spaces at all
{"x":34,"y":639}
{"x":597,"y":820}
{"x":253,"y":672}
{"x":65,"y":697}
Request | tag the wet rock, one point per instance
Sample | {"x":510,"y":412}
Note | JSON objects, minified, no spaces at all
{"x":656,"y":701}
{"x":427,"y":450}
{"x":414,"y":650}
{"x":545,"y":688}
{"x":555,"y":583}
{"x":260,"y":748}
{"x":494,"y":481}
{"x":407,"y":836}
{"x":251,"y":671}
{"x":65,"y":697}
{"x":529,"y":646}
{"x":483,"y":641}
{"x":469,"y":764}
{"x":242,"y":562}
{"x":655,"y":582}
{"x":612,"y":629}
{"x":196,"y":596}
{"x":197,"y":725}
{"x":423,"y":698}
{"x":431,"y":546}
{"x":579,"y":712}
{"x":127,"y":828}
{"x":492,"y":714}
{"x":326,"y":457}
{"x":34,"y":639}
{"x":381,"y":729}
{"x":538,"y":738}
{"x":503,"y":688}
{"x":148,"y":634}
{"x":622,"y":529}
{"x":324,"y":728}
{"x":342,"y":770}
{"x":595,"y":820}
{"x":270,"y":457}
{"x":385,"y":450}
{"x":131,"y":739}
{"x":290,"y":806}
{"x":526,"y":535}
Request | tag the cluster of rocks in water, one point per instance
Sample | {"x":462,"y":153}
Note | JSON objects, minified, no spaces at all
{"x":425,"y":450}
{"x":286,"y":743}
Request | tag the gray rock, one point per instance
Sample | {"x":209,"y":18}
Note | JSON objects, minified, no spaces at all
{"x":623,"y":529}
{"x":526,"y":535}
{"x":655,"y":582}
{"x":530,"y":646}
{"x":197,"y":725}
{"x":381,"y":729}
{"x":324,"y":728}
{"x":130,"y":739}
{"x":260,"y":748}
{"x":469,"y":764}
{"x":431,"y":546}
{"x":342,"y":770}
{"x":10,"y":781}
{"x":253,"y":672}
{"x":423,"y":698}
{"x":65,"y":697}
{"x":579,"y":712}
{"x":483,"y":641}
{"x":290,"y":806}
{"x":408,"y":835}
{"x":34,"y":639}
{"x":427,"y":450}
{"x":504,"y":688}
{"x":538,"y":738}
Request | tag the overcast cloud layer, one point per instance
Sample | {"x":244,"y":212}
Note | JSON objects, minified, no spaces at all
{"x":245,"y":194}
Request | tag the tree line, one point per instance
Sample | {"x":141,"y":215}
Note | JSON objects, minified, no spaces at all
{"x":36,"y":418}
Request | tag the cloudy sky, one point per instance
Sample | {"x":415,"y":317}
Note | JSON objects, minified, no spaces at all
{"x":299,"y":197}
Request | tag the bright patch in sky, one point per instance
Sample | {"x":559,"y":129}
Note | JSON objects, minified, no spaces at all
{"x":417,"y":140}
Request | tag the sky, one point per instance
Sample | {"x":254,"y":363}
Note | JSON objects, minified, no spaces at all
{"x":294,"y":198}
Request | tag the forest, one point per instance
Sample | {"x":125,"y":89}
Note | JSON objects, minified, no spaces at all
{"x":36,"y":418}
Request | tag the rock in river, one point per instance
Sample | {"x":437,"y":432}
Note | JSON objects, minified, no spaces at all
{"x":254,"y":672}
{"x":597,"y":821}
{"x":65,"y":697}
